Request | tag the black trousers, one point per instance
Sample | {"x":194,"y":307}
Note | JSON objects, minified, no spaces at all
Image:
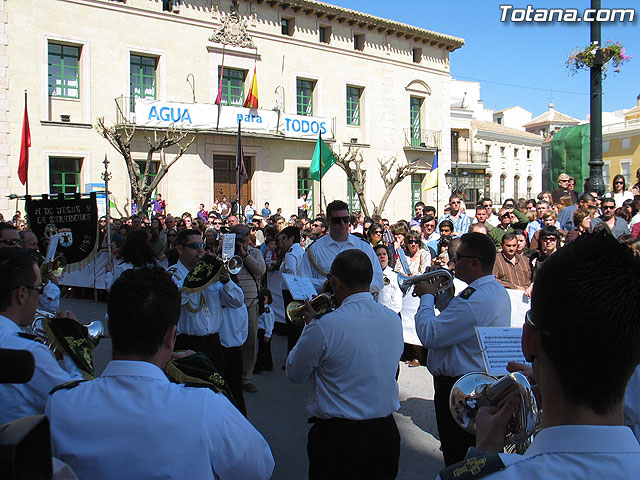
{"x":453,"y":439}
{"x":341,"y":449}
{"x":264,"y":361}
{"x":208,"y":344}
{"x":293,"y":331}
{"x":233,"y":375}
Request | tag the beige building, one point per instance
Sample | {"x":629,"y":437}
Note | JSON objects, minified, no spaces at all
{"x":365,"y":82}
{"x":621,"y":147}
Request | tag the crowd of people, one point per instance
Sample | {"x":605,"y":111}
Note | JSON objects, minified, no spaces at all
{"x":541,"y":247}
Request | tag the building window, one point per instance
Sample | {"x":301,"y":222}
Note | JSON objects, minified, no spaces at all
{"x":528,"y":154}
{"x":625,"y":143}
{"x":503,"y":178}
{"x":605,"y":146}
{"x":502,"y":151}
{"x":416,"y":189}
{"x":324,"y":34}
{"x":142,"y":76}
{"x":358,"y":42}
{"x":487,"y":150}
{"x":417,"y":55}
{"x":304,"y":97}
{"x":353,"y":105}
{"x":287,"y":25}
{"x":232,"y":87}
{"x":64,"y":71}
{"x":516,"y":187}
{"x":64,"y":175}
{"x":625,"y":171}
{"x":171,"y":6}
{"x":516,"y":151}
{"x":605,"y":175}
{"x":499,"y":120}
{"x":529,"y":185}
{"x":487,"y":185}
{"x":305,"y":185}
{"x":415,"y":119}
{"x":354,"y":201}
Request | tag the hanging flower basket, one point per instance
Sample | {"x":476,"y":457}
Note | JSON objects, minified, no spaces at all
{"x":611,"y":53}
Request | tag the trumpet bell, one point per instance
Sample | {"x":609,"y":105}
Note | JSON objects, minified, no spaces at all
{"x":295,"y":310}
{"x":234,"y":265}
{"x":476,"y":390}
{"x":96,"y":331}
{"x":443,"y":276}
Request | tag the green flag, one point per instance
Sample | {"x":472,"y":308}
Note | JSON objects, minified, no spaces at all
{"x":322,"y":155}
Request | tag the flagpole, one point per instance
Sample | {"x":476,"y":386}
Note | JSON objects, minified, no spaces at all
{"x":26,"y":183}
{"x":219,"y":96}
{"x":437,"y":191}
{"x":320,"y":202}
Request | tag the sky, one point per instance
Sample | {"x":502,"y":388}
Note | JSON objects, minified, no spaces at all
{"x":521,"y":63}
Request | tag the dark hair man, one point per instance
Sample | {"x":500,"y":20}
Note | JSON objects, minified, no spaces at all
{"x":321,"y":253}
{"x":419,"y":214}
{"x":289,"y":242}
{"x":582,"y":363}
{"x":319,"y":228}
{"x":511,"y":269}
{"x":144,"y":419}
{"x":565,"y":217}
{"x":199,"y":324}
{"x":20,"y":290}
{"x":349,"y":355}
{"x":618,"y":226}
{"x":492,"y":218}
{"x":9,"y":235}
{"x":450,"y":336}
{"x":460,"y":221}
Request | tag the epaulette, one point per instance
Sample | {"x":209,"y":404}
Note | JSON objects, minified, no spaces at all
{"x":472,"y":468}
{"x":31,"y":336}
{"x":67,"y":386}
{"x":196,"y":385}
{"x":467,"y":292}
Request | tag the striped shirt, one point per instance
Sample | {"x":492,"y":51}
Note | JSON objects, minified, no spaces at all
{"x":512,"y":274}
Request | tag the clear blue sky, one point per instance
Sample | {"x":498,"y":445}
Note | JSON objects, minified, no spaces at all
{"x":521,"y":54}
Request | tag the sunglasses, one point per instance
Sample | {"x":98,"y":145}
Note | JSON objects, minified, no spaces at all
{"x":377,"y":232}
{"x":339,"y":220}
{"x":11,"y":242}
{"x":549,"y":239}
{"x":194,"y":245}
{"x":38,"y":288}
{"x":619,"y":183}
{"x":171,"y":236}
{"x":413,"y":241}
{"x":608,"y":207}
{"x":527,"y":319}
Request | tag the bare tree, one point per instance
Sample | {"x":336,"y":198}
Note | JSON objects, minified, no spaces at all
{"x":120,"y":138}
{"x":391,"y":170}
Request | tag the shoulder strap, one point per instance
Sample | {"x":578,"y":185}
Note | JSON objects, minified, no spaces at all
{"x":30,"y":336}
{"x":315,"y":265}
{"x":473,"y":468}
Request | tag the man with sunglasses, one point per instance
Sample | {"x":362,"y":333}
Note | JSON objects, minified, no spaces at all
{"x":319,"y":256}
{"x":319,"y":228}
{"x":450,"y":336}
{"x":20,"y":290}
{"x":201,"y":311}
{"x":617,"y":225}
{"x":460,"y":221}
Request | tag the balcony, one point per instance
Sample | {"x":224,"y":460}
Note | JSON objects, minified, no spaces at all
{"x":470,"y":158}
{"x":422,"y":140}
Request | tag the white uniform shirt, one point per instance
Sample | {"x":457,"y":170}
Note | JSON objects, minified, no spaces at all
{"x":632,"y":403}
{"x":575,"y":452}
{"x":132,"y":423}
{"x":351,"y":357}
{"x":234,"y":327}
{"x":326,"y":249}
{"x":292,"y":259}
{"x":20,"y":400}
{"x":208,"y":319}
{"x":266,"y":321}
{"x":391,"y":296}
{"x":450,"y":337}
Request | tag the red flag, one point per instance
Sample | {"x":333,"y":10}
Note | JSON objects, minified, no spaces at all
{"x":252,"y":96}
{"x":23,"y":167}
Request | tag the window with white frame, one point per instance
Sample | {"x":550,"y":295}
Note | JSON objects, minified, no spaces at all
{"x":625,"y":143}
{"x":64,"y":70}
{"x":625,"y":170}
{"x":605,"y":146}
{"x":605,"y":175}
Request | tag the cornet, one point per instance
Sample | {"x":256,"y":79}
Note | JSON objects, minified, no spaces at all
{"x":323,"y":303}
{"x":476,"y":390}
{"x":444,"y":276}
{"x":233,"y":265}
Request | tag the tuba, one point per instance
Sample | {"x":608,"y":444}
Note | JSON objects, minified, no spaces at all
{"x":322,"y":304}
{"x":442,"y":275}
{"x":68,"y":336}
{"x":475,"y":390}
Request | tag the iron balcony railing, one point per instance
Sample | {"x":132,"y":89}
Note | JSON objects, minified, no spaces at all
{"x":422,"y":138}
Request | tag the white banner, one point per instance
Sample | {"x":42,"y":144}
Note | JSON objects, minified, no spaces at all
{"x":200,"y":116}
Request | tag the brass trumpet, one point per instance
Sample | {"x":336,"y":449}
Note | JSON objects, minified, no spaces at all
{"x":323,"y":303}
{"x":444,"y":276}
{"x":55,"y":267}
{"x":475,"y":390}
{"x":233,"y":265}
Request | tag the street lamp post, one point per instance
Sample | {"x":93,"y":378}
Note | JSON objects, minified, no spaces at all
{"x":596,"y":184}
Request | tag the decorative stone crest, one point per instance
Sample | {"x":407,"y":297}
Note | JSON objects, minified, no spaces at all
{"x":233,"y":30}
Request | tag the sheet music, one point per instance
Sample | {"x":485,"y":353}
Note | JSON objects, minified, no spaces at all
{"x":228,"y":245}
{"x":300,"y":287}
{"x":500,"y":345}
{"x":53,"y":246}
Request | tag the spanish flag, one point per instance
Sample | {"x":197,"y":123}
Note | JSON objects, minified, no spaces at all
{"x":432,"y":179}
{"x":252,"y":97}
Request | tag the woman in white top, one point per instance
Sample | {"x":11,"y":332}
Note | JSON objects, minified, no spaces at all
{"x":618,"y":191}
